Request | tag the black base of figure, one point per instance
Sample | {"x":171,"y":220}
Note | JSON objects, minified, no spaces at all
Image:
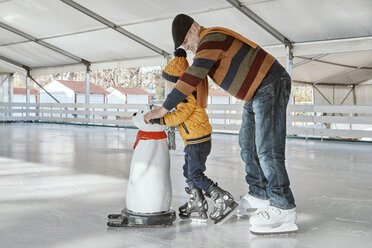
{"x":129,"y":219}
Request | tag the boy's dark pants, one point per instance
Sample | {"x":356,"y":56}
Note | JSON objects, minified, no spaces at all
{"x":194,"y":167}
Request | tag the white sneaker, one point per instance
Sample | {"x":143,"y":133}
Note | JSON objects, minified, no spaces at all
{"x":249,"y":204}
{"x":273,"y":220}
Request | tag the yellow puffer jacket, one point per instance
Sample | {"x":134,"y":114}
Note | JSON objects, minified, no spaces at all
{"x":192,"y":121}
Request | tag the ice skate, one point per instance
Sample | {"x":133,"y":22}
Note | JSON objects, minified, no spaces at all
{"x":248,"y":205}
{"x":196,"y":208}
{"x":224,"y":207}
{"x":273,"y":220}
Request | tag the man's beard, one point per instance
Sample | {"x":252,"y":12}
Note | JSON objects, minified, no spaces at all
{"x":194,"y":44}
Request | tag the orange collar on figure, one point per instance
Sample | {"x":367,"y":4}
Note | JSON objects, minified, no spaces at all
{"x":142,"y":135}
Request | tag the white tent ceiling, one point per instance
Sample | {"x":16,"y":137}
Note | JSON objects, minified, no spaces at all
{"x":332,"y":39}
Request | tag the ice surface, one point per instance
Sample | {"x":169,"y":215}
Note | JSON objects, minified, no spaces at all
{"x":59,"y":182}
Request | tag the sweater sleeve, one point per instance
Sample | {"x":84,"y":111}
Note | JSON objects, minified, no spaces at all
{"x":182,"y":113}
{"x":206,"y":56}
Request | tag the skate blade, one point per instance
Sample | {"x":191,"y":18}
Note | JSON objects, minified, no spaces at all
{"x":117,"y":224}
{"x":114,"y":216}
{"x":116,"y":220}
{"x":193,"y":220}
{"x":198,"y":220}
{"x":184,"y":219}
{"x":228,"y":215}
{"x":287,"y":229}
{"x":245,"y":214}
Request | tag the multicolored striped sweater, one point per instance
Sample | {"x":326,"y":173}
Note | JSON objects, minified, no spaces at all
{"x":235,"y":66}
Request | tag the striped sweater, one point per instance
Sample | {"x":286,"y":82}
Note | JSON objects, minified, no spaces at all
{"x":235,"y":66}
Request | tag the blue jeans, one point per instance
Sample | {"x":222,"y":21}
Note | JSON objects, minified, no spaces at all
{"x":262,"y":139}
{"x":194,"y":167}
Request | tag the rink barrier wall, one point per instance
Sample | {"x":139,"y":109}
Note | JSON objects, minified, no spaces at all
{"x":309,"y":121}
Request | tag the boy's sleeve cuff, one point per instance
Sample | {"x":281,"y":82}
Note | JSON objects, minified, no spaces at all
{"x":160,"y":121}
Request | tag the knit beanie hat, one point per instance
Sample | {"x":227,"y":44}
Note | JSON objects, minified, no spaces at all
{"x":180,"y":26}
{"x":176,"y":67}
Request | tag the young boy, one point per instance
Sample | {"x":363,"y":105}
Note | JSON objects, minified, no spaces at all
{"x":195,"y":130}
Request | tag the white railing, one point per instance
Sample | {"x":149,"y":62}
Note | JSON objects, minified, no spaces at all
{"x":344,"y":121}
{"x":100,"y":114}
{"x":302,"y":120}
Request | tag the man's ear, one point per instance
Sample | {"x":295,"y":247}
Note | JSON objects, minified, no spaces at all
{"x":195,"y":29}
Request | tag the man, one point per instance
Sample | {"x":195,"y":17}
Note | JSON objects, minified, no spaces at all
{"x":246,"y":71}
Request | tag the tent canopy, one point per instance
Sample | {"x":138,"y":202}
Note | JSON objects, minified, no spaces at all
{"x":331,"y":40}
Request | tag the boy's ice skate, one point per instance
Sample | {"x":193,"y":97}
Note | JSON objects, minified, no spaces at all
{"x":196,"y":208}
{"x":248,"y":205}
{"x":273,"y":220}
{"x":224,"y":207}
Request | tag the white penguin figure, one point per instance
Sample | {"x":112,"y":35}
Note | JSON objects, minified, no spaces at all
{"x":149,"y":187}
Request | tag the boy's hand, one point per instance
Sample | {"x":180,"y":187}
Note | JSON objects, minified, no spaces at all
{"x":154,"y":114}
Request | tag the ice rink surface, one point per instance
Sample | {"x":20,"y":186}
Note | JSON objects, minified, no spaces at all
{"x":59,"y":182}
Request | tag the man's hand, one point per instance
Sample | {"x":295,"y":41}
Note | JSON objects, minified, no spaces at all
{"x":154,"y":114}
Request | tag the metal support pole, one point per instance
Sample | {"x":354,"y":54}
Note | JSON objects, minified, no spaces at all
{"x":114,"y":26}
{"x":289,"y":68}
{"x":351,"y":90}
{"x":333,"y":94}
{"x":3,"y":80}
{"x":87,"y":88}
{"x":259,"y":21}
{"x":55,"y":99}
{"x":10,"y":92}
{"x":28,"y":88}
{"x":289,"y":49}
{"x":1,"y":89}
{"x":325,"y":98}
{"x":312,"y":95}
{"x":44,"y":89}
{"x":354,"y":98}
{"x":27,"y":92}
{"x":87,"y":85}
{"x":10,"y":88}
{"x":351,"y":114}
{"x":166,"y":89}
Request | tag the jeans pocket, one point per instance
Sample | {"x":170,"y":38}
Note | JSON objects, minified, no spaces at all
{"x":286,"y":82}
{"x":264,"y":93}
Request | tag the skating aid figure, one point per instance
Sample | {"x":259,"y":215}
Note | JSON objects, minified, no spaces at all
{"x":149,"y":190}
